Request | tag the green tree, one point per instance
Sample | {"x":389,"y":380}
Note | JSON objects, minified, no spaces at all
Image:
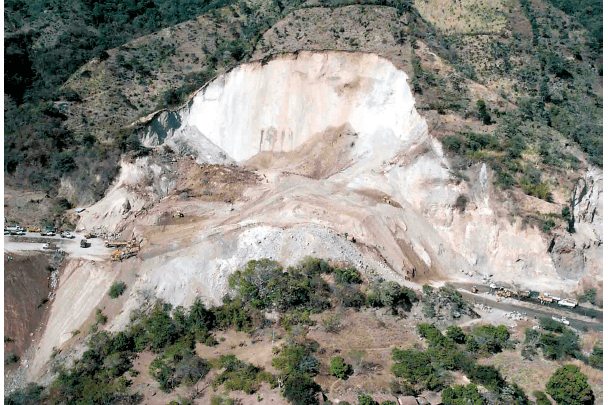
{"x":482,"y":110}
{"x":339,"y":368}
{"x":117,"y":289}
{"x":461,"y":395}
{"x":569,"y":386}
{"x":366,"y":400}
{"x":456,"y":334}
{"x":300,"y":389}
{"x":597,"y":357}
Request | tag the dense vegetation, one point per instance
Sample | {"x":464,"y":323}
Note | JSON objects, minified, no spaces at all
{"x":569,"y":386}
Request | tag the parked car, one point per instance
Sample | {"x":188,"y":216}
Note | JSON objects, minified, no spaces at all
{"x":47,"y":233}
{"x":67,"y":235}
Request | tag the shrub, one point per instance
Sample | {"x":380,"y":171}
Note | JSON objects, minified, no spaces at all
{"x":366,"y":400}
{"x":210,"y":341}
{"x":349,"y":296}
{"x":597,"y":357}
{"x":29,"y":395}
{"x":100,"y":318}
{"x":488,"y":376}
{"x":551,"y":325}
{"x":541,"y":398}
{"x":239,"y":375}
{"x":460,"y":395}
{"x":461,"y":203}
{"x":332,"y":323}
{"x":338,"y":368}
{"x":482,"y":110}
{"x":416,"y":367}
{"x":548,"y":225}
{"x":456,"y":334}
{"x":117,"y":289}
{"x":557,"y":347}
{"x":590,"y":296}
{"x":391,"y":294}
{"x":453,"y":143}
{"x":297,"y":358}
{"x":300,"y":389}
{"x":433,"y":335}
{"x":10,"y":358}
{"x":347,"y":276}
{"x":491,"y":339}
{"x":569,"y":386}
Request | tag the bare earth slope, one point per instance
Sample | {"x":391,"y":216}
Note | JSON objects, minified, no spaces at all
{"x":328,"y":143}
{"x":388,"y":184}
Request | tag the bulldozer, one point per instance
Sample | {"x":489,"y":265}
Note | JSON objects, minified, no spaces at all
{"x":121,"y":255}
{"x":503,"y":293}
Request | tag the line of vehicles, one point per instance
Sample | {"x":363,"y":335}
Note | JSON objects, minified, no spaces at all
{"x":47,"y":231}
{"x":544,"y":298}
{"x":125,"y":249}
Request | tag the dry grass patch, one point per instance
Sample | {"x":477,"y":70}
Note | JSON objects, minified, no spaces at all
{"x":533,"y":376}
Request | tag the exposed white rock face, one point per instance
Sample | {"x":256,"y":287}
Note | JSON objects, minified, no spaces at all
{"x":334,"y":135}
{"x":140,"y":182}
{"x":279,"y":105}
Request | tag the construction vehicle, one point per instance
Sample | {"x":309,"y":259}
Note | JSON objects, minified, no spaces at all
{"x":567,"y":303}
{"x":503,"y":293}
{"x":115,"y":243}
{"x":121,"y":255}
{"x":474,"y":289}
{"x":90,"y":235}
{"x":33,"y":229}
{"x":47,"y":232}
{"x":524,"y":294}
{"x":84,"y":243}
{"x":544,"y":299}
{"x":178,"y":214}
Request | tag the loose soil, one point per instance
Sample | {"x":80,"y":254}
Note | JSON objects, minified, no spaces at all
{"x":26,"y":285}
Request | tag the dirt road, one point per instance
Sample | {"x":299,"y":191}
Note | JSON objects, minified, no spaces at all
{"x":33,"y":241}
